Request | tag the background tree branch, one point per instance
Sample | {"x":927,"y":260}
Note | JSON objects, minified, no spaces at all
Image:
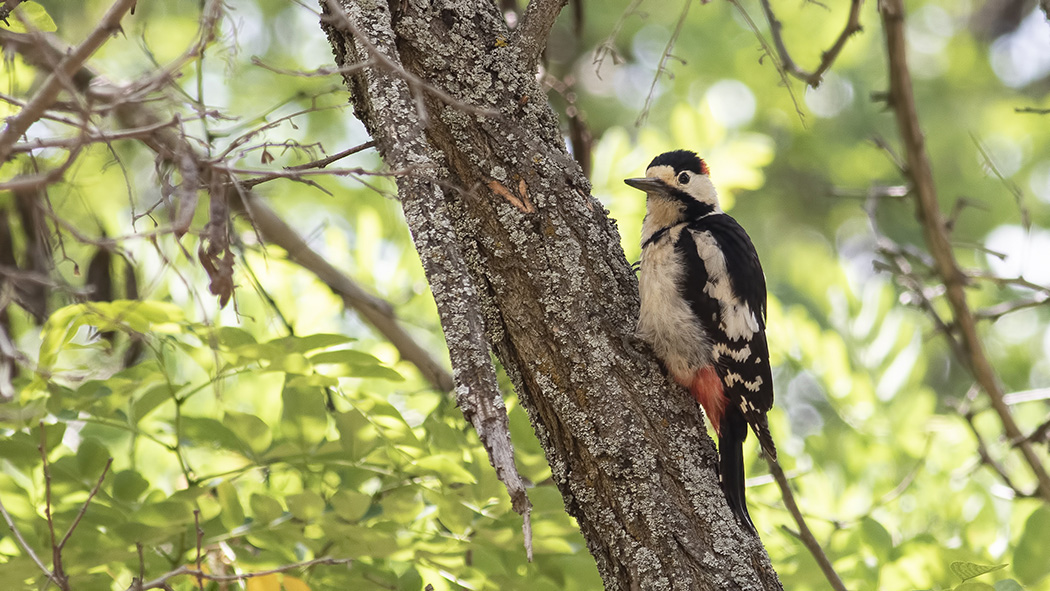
{"x":936,"y":235}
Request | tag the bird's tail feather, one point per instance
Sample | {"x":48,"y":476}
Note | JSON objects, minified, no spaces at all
{"x":731,"y":474}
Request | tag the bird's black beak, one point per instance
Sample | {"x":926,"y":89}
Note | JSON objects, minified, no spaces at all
{"x":649,"y":185}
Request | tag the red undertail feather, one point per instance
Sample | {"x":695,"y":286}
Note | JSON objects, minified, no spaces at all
{"x":706,"y":387}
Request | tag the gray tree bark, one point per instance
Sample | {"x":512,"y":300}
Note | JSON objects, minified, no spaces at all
{"x":514,"y":245}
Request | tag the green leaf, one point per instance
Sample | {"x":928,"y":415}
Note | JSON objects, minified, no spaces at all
{"x":969,"y":570}
{"x":150,"y":400}
{"x":230,"y":337}
{"x":353,"y":364}
{"x":292,"y":363}
{"x":446,"y":467}
{"x":306,"y":506}
{"x":200,"y":431}
{"x":232,"y":515}
{"x":381,"y":372}
{"x":974,"y":586}
{"x":356,"y":434}
{"x":1008,"y":585}
{"x":33,"y":13}
{"x":264,"y":508}
{"x":165,"y":514}
{"x":91,"y":458}
{"x":310,"y":342}
{"x":313,"y":380}
{"x":402,"y":504}
{"x":250,"y":429}
{"x":58,"y":330}
{"x":877,"y":537}
{"x":129,"y":485}
{"x":351,"y":505}
{"x":1032,"y":555}
{"x":304,"y":417}
{"x":346,"y":357}
{"x":410,"y":581}
{"x":20,"y":450}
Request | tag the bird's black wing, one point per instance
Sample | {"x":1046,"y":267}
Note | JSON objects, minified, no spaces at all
{"x":728,"y":293}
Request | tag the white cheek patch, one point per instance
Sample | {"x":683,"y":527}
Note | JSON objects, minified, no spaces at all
{"x":703,"y":190}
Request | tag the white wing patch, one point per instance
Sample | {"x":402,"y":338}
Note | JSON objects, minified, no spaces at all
{"x":733,"y":377}
{"x":738,"y":355}
{"x":738,"y":321}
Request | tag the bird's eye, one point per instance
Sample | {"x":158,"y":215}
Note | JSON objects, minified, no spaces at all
{"x":683,"y":178}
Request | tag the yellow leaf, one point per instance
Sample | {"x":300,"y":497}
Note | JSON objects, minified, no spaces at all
{"x":269,"y":582}
{"x":295,"y":584}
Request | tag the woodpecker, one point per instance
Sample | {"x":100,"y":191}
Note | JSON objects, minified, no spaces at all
{"x":703,"y":309}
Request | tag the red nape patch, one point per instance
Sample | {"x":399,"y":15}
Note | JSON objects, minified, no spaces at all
{"x":703,"y":168}
{"x":706,"y":387}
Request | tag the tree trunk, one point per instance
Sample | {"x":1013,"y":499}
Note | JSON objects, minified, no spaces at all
{"x":510,"y":237}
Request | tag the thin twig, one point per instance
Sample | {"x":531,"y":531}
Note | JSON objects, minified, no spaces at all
{"x":334,"y":157}
{"x":22,"y":542}
{"x":1015,"y":191}
{"x":58,"y":573}
{"x":608,"y":47}
{"x":375,"y":311}
{"x":84,"y":506}
{"x":161,"y":582}
{"x":768,"y":51}
{"x":199,"y":537}
{"x":996,"y":312}
{"x":89,"y":138}
{"x":827,"y":58}
{"x":661,"y":68}
{"x":804,"y":534}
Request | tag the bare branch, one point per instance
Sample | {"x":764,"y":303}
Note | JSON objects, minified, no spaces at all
{"x":375,"y":311}
{"x":334,"y":157}
{"x":531,"y":36}
{"x":768,"y":51}
{"x":89,"y":138}
{"x":84,"y":505}
{"x":804,"y":533}
{"x":22,"y":542}
{"x":48,"y":92}
{"x":996,"y":312}
{"x":827,"y":58}
{"x":936,"y":236}
{"x":1015,"y":191}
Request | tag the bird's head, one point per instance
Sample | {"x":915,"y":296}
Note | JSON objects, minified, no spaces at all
{"x":677,"y":183}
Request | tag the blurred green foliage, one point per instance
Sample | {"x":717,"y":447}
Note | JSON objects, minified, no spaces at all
{"x":286,"y":430}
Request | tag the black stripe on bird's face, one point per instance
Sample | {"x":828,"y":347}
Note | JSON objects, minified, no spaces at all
{"x":678,"y":187}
